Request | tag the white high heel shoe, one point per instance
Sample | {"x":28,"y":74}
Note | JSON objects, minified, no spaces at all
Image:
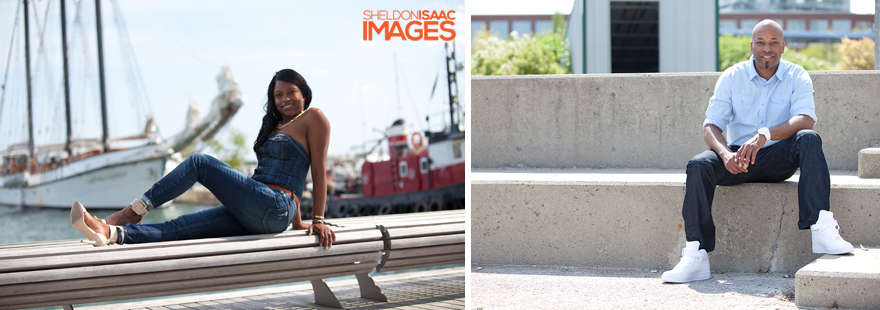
{"x":77,"y":219}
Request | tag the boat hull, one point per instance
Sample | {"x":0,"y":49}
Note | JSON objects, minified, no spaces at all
{"x":437,"y":199}
{"x":111,"y":187}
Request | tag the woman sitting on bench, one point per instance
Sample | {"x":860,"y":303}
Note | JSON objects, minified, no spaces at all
{"x":292,"y":138}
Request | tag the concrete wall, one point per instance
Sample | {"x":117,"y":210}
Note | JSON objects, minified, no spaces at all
{"x":641,"y":120}
{"x":627,"y":225}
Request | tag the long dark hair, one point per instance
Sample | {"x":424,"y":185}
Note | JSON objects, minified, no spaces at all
{"x":272,"y":117}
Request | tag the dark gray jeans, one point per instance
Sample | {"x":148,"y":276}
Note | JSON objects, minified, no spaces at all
{"x":775,"y":163}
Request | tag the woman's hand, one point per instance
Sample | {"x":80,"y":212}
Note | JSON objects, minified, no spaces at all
{"x":326,"y":235}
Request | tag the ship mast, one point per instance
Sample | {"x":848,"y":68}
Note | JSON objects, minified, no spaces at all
{"x":27,"y":57}
{"x":66,"y":79}
{"x":106,"y":133}
{"x":452,"y":83}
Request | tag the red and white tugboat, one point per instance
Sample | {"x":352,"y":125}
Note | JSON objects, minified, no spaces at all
{"x":424,"y":171}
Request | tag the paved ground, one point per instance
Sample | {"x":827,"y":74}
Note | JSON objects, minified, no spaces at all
{"x":429,"y":289}
{"x":534,"y":287}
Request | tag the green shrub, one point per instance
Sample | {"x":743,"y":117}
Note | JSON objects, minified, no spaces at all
{"x":732,"y":50}
{"x":809,"y":63}
{"x":856,"y":54}
{"x":544,"y":53}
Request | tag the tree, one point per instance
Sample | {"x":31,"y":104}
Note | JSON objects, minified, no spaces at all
{"x":234,"y":153}
{"x":732,"y":50}
{"x":559,"y":23}
{"x":544,"y":53}
{"x":856,"y":54}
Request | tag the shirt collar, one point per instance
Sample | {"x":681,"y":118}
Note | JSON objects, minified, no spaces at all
{"x":754,"y":72}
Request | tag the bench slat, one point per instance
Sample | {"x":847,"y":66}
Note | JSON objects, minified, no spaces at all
{"x":402,"y":219}
{"x":382,"y":219}
{"x":416,"y":223}
{"x":76,"y":247}
{"x":424,"y":259}
{"x":428,"y":230}
{"x":431,"y":264}
{"x":173,"y":250}
{"x":426,"y":251}
{"x":4,"y":248}
{"x":426,"y":241}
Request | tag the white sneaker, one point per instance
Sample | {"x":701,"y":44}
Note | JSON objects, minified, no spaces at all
{"x":826,"y":236}
{"x":694,"y":265}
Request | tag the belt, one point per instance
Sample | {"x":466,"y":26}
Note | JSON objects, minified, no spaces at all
{"x":286,"y":191}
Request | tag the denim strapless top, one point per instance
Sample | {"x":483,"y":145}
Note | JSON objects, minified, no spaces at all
{"x":283,"y":161}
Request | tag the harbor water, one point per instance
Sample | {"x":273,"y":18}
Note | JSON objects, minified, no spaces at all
{"x":25,"y":224}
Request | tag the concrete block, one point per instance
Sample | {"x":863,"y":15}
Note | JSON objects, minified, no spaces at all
{"x":840,"y":281}
{"x":631,"y":218}
{"x":641,"y":120}
{"x":869,"y":163}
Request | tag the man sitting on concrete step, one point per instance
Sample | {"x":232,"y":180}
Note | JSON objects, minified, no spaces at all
{"x":766,"y":104}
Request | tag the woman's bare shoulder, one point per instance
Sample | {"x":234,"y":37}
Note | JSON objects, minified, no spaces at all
{"x":315,"y":115}
{"x":315,"y":110}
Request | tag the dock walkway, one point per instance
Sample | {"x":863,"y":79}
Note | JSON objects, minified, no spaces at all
{"x":428,"y":289}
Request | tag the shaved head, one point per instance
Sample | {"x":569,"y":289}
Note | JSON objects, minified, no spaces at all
{"x":767,"y":24}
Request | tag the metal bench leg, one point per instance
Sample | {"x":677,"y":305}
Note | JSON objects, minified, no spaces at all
{"x":369,"y":290}
{"x":323,"y":295}
{"x":68,"y":307}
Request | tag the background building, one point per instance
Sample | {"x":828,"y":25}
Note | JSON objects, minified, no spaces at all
{"x":503,"y":25}
{"x":803,"y":20}
{"x":643,"y":36}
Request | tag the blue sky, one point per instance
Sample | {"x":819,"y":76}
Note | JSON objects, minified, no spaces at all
{"x":500,"y":7}
{"x":180,"y":47}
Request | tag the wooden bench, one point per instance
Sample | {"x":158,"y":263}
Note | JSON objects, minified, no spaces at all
{"x":418,"y":243}
{"x":418,"y":240}
{"x":68,"y":272}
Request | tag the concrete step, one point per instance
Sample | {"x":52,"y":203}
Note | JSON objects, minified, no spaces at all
{"x":840,"y":281}
{"x":869,"y":163}
{"x":641,"y":120}
{"x":631,"y":218}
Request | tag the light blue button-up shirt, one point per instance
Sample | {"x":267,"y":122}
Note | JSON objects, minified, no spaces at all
{"x":744,"y":101}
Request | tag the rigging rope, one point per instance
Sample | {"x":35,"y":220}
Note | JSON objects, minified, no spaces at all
{"x":86,"y":107}
{"x":8,"y":59}
{"x":133,"y":74}
{"x":45,"y":127}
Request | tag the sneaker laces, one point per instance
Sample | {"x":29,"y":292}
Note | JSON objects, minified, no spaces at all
{"x":830,"y":232}
{"x":687,"y":261}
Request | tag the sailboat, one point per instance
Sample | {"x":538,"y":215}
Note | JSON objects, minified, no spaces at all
{"x":105,"y":173}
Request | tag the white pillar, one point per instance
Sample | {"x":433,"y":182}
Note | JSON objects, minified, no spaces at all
{"x":876,"y":35}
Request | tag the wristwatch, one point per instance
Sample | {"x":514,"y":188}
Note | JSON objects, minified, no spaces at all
{"x":764,"y":131}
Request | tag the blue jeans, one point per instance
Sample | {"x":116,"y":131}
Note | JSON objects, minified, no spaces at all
{"x":249,"y":207}
{"x":774,"y":163}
